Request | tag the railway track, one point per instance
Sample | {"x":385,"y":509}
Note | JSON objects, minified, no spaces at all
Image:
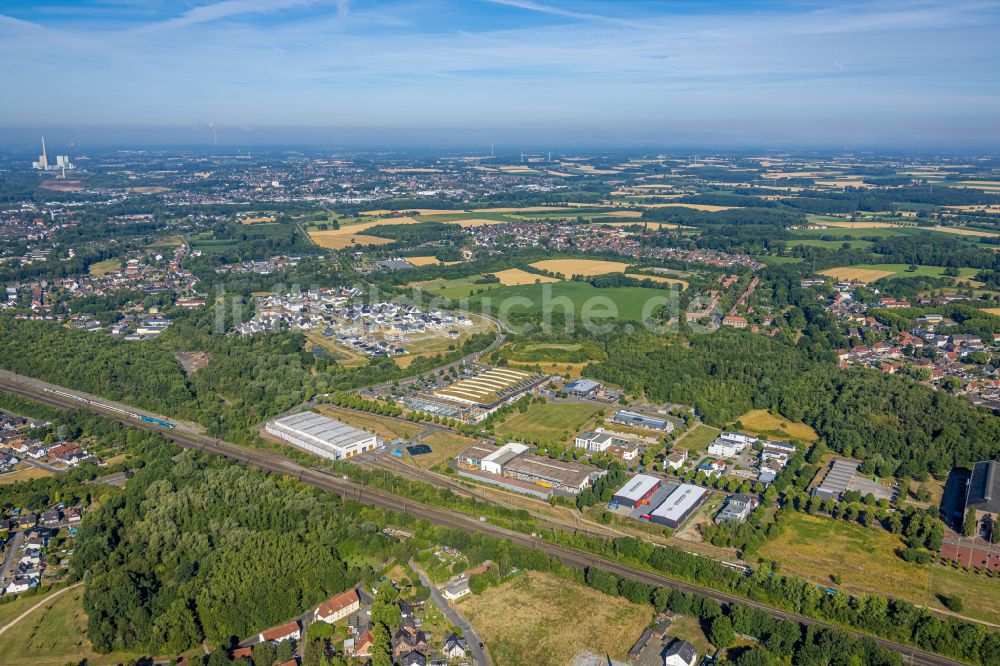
{"x":325,"y":480}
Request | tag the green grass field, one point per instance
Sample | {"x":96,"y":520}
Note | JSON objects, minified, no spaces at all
{"x":902,"y":270}
{"x":830,"y":244}
{"x":102,"y":268}
{"x":815,"y":547}
{"x":454,"y":289}
{"x":552,"y":420}
{"x":699,"y":438}
{"x":53,"y":635}
{"x":623,"y":303}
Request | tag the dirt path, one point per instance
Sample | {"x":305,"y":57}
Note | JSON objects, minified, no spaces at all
{"x":37,"y":606}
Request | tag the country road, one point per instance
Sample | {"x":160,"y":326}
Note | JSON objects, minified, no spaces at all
{"x":352,"y":490}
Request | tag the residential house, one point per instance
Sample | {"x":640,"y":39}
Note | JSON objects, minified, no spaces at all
{"x":284,"y":632}
{"x":456,"y":589}
{"x":680,"y":653}
{"x":676,"y":459}
{"x":338,"y":607}
{"x":454,"y":646}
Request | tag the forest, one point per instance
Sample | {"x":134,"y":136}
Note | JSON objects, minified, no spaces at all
{"x":903,"y":428}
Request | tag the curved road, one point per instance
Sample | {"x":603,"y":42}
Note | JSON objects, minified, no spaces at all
{"x":272,"y":462}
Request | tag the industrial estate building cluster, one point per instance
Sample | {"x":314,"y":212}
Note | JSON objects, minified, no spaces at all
{"x":476,"y":396}
{"x":321,"y":435}
{"x":512,"y":466}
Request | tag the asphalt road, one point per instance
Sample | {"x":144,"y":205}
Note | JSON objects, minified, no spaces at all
{"x":11,"y":555}
{"x":474,"y":642}
{"x":272,"y":462}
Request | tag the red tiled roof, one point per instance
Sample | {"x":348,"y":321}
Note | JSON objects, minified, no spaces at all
{"x":338,"y":603}
{"x":275,"y":633}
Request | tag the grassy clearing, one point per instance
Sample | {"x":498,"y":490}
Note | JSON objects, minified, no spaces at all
{"x":689,"y":629}
{"x":553,"y":621}
{"x":552,"y":420}
{"x":816,"y":547}
{"x":763,"y":422}
{"x":24,"y":474}
{"x":444,"y":445}
{"x":873,"y":272}
{"x":622,"y":303}
{"x":574,"y":370}
{"x":380,"y":425}
{"x":456,"y":288}
{"x":831,"y":244}
{"x":53,"y":635}
{"x":698,"y":438}
{"x":102,"y":268}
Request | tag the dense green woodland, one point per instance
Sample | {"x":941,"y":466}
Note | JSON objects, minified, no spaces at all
{"x":903,"y":427}
{"x":196,"y":547}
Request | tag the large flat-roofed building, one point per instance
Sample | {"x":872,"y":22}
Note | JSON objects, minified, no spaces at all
{"x":512,"y":461}
{"x":983,"y":492}
{"x":595,"y":442}
{"x":321,"y":435}
{"x":637,"y":490}
{"x":474,"y":398}
{"x":637,"y":420}
{"x":835,"y":482}
{"x":678,"y":506}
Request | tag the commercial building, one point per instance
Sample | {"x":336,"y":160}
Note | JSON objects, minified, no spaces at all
{"x":582,"y":387}
{"x":637,"y":490}
{"x":737,"y":508}
{"x":730,"y":444}
{"x":512,"y":466}
{"x":597,"y":441}
{"x":637,"y":420}
{"x":678,"y":506}
{"x":321,"y":435}
{"x":983,"y":492}
{"x":834,"y":485}
{"x":474,"y":398}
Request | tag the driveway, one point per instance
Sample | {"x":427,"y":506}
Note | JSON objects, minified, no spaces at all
{"x":480,"y":658}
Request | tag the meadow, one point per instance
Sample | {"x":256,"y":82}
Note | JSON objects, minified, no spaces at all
{"x":764,"y":423}
{"x":552,"y":421}
{"x":873,"y":272}
{"x":554,"y":620}
{"x":628,"y":302}
{"x":817,"y":547}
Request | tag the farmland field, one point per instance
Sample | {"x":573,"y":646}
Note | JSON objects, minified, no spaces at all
{"x":554,"y":620}
{"x":455,"y":288}
{"x":553,"y":420}
{"x":570,"y":267}
{"x":763,"y":422}
{"x":513,"y":277}
{"x":423,"y":261}
{"x":873,"y":272}
{"x":626,"y":303}
{"x":815,"y":547}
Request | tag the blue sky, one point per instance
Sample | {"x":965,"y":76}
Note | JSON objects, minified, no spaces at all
{"x":911,"y":74}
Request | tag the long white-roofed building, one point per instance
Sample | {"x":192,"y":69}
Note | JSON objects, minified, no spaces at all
{"x":680,"y":504}
{"x":321,"y":435}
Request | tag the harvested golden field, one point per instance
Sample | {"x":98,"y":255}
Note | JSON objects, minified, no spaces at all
{"x":992,"y":311}
{"x":554,"y":620}
{"x":522,"y":209}
{"x":658,"y":278}
{"x":962,"y":231}
{"x":335,"y":241}
{"x":702,"y":207}
{"x":864,"y":225}
{"x":149,"y":189}
{"x":858,"y":274}
{"x":25,"y":474}
{"x":513,"y":277}
{"x":761,"y":421}
{"x":423,"y":261}
{"x":568,"y":267}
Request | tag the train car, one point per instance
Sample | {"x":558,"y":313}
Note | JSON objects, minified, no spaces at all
{"x":150,"y":419}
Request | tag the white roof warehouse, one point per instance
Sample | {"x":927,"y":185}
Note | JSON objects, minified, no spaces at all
{"x":321,"y":435}
{"x":679,"y":504}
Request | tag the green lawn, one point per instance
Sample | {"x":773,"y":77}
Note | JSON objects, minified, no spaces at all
{"x":830,"y":244}
{"x":699,"y":438}
{"x":623,"y":303}
{"x":552,"y":421}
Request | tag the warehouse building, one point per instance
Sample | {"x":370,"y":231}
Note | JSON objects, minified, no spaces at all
{"x":513,"y":462}
{"x":474,"y":398}
{"x":678,"y":506}
{"x":637,"y":490}
{"x":321,"y":435}
{"x":637,"y":420}
{"x":835,"y":483}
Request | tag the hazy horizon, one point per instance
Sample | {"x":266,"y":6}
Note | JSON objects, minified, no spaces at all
{"x":912,"y":75}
